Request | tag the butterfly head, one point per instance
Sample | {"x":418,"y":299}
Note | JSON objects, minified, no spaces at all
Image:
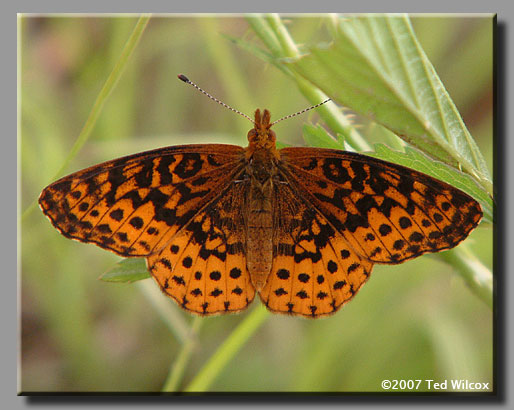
{"x":261,"y":136}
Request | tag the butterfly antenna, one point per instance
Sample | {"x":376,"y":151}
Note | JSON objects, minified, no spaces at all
{"x":187,"y":81}
{"x":300,"y":112}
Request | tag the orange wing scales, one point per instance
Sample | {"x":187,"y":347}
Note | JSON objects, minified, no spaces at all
{"x":194,"y":212}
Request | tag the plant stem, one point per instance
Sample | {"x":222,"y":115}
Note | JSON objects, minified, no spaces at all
{"x":478,"y":277}
{"x":228,"y":350}
{"x":179,"y":366}
{"x":168,"y":312}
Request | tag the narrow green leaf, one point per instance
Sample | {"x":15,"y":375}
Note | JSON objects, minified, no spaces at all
{"x":107,"y":89}
{"x":262,"y":28}
{"x":412,"y":158}
{"x":376,"y":67}
{"x":101,"y":99}
{"x":127,"y":271}
{"x":257,"y":51}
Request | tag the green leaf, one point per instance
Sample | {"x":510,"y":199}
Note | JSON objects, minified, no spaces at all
{"x":376,"y":67}
{"x":127,"y":271}
{"x":317,"y":136}
{"x":412,"y":158}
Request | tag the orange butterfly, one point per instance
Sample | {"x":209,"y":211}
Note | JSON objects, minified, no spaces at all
{"x":302,"y":227}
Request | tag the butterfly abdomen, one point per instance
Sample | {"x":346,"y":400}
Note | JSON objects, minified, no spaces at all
{"x":259,"y":218}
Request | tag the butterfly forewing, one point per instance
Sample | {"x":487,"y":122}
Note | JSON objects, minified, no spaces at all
{"x":387,"y":213}
{"x":134,"y":205}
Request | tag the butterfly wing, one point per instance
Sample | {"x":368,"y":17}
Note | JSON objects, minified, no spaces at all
{"x":387,"y":213}
{"x":314,"y":270}
{"x":134,"y":205}
{"x":204,"y":267}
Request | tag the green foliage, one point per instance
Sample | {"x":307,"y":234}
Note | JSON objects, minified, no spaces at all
{"x":376,"y":67}
{"x":317,"y":136}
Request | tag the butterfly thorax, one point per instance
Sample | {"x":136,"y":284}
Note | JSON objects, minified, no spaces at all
{"x":261,"y":156}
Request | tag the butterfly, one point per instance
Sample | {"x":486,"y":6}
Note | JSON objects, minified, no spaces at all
{"x":301,"y":227}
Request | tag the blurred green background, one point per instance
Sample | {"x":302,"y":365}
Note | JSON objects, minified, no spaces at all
{"x":417,"y":320}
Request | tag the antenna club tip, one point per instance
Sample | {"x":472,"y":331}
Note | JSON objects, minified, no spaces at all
{"x":182,"y":77}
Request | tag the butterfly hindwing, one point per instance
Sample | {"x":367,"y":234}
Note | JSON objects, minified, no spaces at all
{"x":134,"y":205}
{"x":314,"y":270}
{"x":387,"y":213}
{"x":204,"y":267}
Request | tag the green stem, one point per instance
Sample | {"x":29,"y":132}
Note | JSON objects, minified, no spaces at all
{"x":289,"y":48}
{"x":177,"y":370}
{"x":228,"y":350}
{"x":168,"y":311}
{"x":106,"y":90}
{"x":261,"y":27}
{"x":275,"y":36}
{"x":478,"y":277}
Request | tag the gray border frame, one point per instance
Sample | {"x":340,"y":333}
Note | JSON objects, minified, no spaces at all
{"x":503,"y":170}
